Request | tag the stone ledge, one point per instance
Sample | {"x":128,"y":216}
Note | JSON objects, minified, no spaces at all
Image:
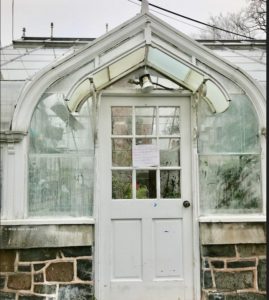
{"x":232,"y":233}
{"x":40,"y":236}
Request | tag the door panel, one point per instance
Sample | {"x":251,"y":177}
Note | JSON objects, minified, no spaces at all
{"x":145,"y":233}
{"x":168,"y":248}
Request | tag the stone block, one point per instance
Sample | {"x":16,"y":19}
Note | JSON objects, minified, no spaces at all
{"x":262,"y":274}
{"x":241,"y":264}
{"x":24,"y":268}
{"x":246,"y":250}
{"x":44,"y":289}
{"x":233,"y":281}
{"x":61,"y":271}
{"x":218,"y":264}
{"x":218,"y":250}
{"x":38,"y":267}
{"x":77,"y":251}
{"x":39,"y":277}
{"x":37,"y":254}
{"x":2,"y":282}
{"x":7,"y":260}
{"x":7,"y":296}
{"x":207,"y":280}
{"x":84,"y":269}
{"x":75,"y":292}
{"x":19,"y":281}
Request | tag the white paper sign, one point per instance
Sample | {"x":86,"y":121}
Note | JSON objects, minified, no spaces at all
{"x":145,"y":156}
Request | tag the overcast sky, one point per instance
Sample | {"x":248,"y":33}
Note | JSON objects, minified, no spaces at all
{"x":88,"y":18}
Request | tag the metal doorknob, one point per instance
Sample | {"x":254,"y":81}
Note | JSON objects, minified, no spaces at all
{"x":186,"y":203}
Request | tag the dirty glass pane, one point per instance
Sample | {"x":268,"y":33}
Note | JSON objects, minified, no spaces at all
{"x":230,"y":183}
{"x":145,"y":120}
{"x":55,"y":130}
{"x":121,"y":152}
{"x":122,"y":184}
{"x":170,"y":183}
{"x":169,"y":120}
{"x":146,"y":184}
{"x":121,"y":117}
{"x":61,"y":152}
{"x":234,"y":131}
{"x":169,"y":152}
{"x":60,"y":186}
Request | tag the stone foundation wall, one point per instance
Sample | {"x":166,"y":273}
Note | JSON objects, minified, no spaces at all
{"x":233,"y":272}
{"x":46,"y":274}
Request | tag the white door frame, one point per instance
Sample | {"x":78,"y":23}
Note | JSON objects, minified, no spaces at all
{"x":194,"y":186}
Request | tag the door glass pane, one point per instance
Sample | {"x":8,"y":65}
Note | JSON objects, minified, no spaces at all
{"x":145,"y":120}
{"x":170,"y":183}
{"x":121,"y":184}
{"x":145,"y":141}
{"x":121,"y":120}
{"x":169,"y":120}
{"x":121,"y":152}
{"x":170,"y":152}
{"x":146,"y":184}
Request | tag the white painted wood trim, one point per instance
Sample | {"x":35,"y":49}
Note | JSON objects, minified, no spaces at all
{"x":228,"y":218}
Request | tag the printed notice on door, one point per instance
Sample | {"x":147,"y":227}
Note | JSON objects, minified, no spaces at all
{"x":145,"y":156}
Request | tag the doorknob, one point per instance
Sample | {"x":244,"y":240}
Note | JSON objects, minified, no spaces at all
{"x":186,"y":203}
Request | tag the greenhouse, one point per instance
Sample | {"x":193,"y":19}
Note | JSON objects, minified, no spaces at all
{"x":133,"y":166}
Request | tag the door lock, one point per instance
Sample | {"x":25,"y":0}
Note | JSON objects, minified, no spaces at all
{"x":186,"y":203}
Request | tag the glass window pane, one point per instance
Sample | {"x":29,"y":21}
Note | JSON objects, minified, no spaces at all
{"x":122,"y":184}
{"x":121,"y":120}
{"x":145,"y":141}
{"x":235,"y":131}
{"x":60,"y":186}
{"x":230,"y":183}
{"x":170,"y":183}
{"x":146,"y":184}
{"x":121,"y":152}
{"x":169,"y":152}
{"x":145,"y":120}
{"x":169,"y":120}
{"x":55,"y":130}
{"x":61,"y":152}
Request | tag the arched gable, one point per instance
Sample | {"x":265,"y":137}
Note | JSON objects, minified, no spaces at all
{"x":145,"y":36}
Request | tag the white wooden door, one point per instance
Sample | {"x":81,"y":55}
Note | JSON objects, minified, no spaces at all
{"x":145,"y":249}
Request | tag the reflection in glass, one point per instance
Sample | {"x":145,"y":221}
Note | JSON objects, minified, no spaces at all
{"x":121,"y":184}
{"x":146,"y":184}
{"x":170,"y":183}
{"x":230,"y":183}
{"x":145,"y":120}
{"x":121,"y":120}
{"x":121,"y":152}
{"x":60,"y":186}
{"x":236,"y":130}
{"x":61,"y":151}
{"x":169,"y":152}
{"x":169,"y":120}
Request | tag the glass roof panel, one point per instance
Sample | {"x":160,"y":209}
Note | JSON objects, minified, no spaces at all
{"x":215,"y":98}
{"x":167,"y":63}
{"x":100,"y":78}
{"x":79,"y":95}
{"x":126,"y":63}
